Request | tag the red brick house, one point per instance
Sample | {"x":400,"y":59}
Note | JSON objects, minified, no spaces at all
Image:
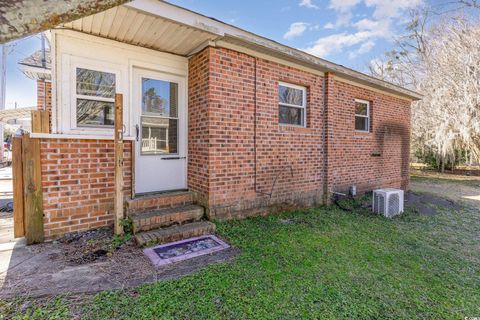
{"x":214,"y":116}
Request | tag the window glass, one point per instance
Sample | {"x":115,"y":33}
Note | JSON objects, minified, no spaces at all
{"x":159,"y":135}
{"x":361,"y":124}
{"x":95,"y":83}
{"x":159,"y":97}
{"x":289,"y":95}
{"x":289,"y":115}
{"x":95,"y":113}
{"x":95,"y":97}
{"x":362,"y":116}
{"x":361,"y":108}
{"x":291,"y":108}
{"x":159,"y":117}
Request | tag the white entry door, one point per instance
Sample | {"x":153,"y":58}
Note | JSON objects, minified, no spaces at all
{"x":161,"y":132}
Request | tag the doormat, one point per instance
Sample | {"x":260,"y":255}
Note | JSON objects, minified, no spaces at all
{"x":184,"y":249}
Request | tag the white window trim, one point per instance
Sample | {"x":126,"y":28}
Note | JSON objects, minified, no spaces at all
{"x":303,"y":106}
{"x":362,"y":116}
{"x":97,"y":65}
{"x":75,"y":95}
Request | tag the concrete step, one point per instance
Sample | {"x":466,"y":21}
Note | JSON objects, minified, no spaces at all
{"x":175,"y":233}
{"x":166,"y":217}
{"x":152,"y":202}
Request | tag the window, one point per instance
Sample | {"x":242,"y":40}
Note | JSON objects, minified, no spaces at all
{"x":292,"y":103}
{"x":362,"y":115}
{"x":94,"y":98}
{"x":159,"y":117}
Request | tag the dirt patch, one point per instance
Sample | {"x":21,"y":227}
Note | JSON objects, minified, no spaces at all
{"x":87,"y":262}
{"x":91,"y":246}
{"x":460,"y":189}
{"x":428,"y":204}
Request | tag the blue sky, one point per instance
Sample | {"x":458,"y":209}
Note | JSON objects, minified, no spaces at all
{"x":348,"y":32}
{"x":20,"y":89}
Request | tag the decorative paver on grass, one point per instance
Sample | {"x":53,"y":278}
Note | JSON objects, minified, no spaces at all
{"x":184,"y":249}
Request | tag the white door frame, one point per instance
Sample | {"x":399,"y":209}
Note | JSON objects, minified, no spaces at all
{"x":137,"y":74}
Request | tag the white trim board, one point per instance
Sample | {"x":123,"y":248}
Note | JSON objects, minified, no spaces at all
{"x":74,"y":136}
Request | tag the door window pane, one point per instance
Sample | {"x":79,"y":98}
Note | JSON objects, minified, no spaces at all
{"x":95,"y":113}
{"x":159,"y":98}
{"x":159,"y":135}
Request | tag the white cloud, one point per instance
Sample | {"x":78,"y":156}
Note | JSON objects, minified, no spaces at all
{"x":382,"y":8}
{"x":308,"y":4}
{"x":368,"y":31}
{"x":337,"y":42}
{"x":343,"y":5}
{"x":391,"y":8}
{"x":366,"y":24}
{"x":329,"y":26}
{"x":364,"y":48}
{"x":382,"y":28}
{"x":343,"y":20}
{"x":296,"y":29}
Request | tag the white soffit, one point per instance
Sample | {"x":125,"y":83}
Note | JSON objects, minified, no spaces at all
{"x":129,"y":25}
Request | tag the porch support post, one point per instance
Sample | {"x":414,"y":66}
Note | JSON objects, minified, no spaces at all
{"x":118,"y":142}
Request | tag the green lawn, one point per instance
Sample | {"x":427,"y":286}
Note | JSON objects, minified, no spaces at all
{"x":324,"y":263}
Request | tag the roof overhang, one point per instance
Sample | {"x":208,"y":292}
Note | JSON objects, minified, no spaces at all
{"x":165,"y":27}
{"x":137,"y":27}
{"x":36,"y":73}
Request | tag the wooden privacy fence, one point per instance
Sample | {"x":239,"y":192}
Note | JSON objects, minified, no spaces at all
{"x":27,"y":189}
{"x":27,"y":181}
{"x":40,"y":121}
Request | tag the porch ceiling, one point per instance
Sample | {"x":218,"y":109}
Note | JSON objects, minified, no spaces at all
{"x":139,"y":28}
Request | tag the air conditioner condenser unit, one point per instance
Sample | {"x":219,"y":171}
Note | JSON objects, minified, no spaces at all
{"x":388,"y":202}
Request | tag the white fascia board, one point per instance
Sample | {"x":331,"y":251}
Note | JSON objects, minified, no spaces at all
{"x":177,"y":14}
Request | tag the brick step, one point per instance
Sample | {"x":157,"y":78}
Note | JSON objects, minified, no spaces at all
{"x":175,"y":233}
{"x":166,"y":217}
{"x":158,"y":201}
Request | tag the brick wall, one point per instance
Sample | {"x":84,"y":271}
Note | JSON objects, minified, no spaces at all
{"x":198,"y":129}
{"x":249,"y":165}
{"x":253,"y":164}
{"x":78,"y":184}
{"x":44,"y":97}
{"x":352,"y":157}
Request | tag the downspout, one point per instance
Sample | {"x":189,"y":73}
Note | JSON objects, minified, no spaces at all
{"x":255,"y":124}
{"x":326,"y":140}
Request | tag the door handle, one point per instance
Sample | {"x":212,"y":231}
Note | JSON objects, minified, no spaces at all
{"x":137,"y":130}
{"x":174,"y":158}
